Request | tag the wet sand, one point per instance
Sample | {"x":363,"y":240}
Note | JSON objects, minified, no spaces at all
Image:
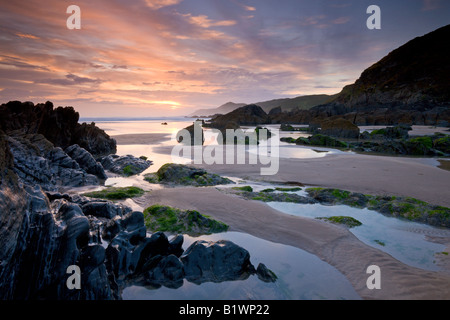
{"x":376,"y":175}
{"x":444,"y":164}
{"x":145,"y":139}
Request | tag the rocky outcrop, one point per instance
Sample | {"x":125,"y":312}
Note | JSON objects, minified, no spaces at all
{"x":401,"y":207}
{"x":174,"y":220}
{"x":389,"y":133}
{"x":179,"y":174}
{"x":86,"y":161}
{"x":38,"y":162}
{"x":410,"y":85}
{"x":42,"y":238}
{"x":207,"y":261}
{"x":44,"y":233}
{"x":340,"y":128}
{"x":59,"y":126}
{"x":127,"y":165}
{"x":318,"y":140}
{"x":250,"y":115}
{"x":49,"y":239}
{"x":270,"y":195}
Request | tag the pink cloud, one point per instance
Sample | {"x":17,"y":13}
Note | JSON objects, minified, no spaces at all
{"x":157,"y":4}
{"x":429,"y":5}
{"x":341,"y":20}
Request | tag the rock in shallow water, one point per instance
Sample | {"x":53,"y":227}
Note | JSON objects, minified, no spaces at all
{"x":171,"y":173}
{"x":125,"y":165}
{"x":207,"y":261}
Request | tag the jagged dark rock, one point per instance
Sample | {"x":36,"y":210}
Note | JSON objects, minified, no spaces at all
{"x":165,"y":271}
{"x":38,"y":162}
{"x":86,"y":161}
{"x":60,"y":126}
{"x":44,"y":231}
{"x":250,"y":115}
{"x":340,"y":128}
{"x":104,"y":209}
{"x":127,"y":165}
{"x":206,"y":261}
{"x":179,"y":174}
{"x":176,"y":245}
{"x":46,"y":242}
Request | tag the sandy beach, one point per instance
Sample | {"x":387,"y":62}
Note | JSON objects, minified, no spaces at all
{"x":414,"y":177}
{"x":377,"y":175}
{"x":144,"y":139}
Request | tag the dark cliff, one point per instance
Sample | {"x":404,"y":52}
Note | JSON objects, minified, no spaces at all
{"x":409,"y":85}
{"x":58,"y":125}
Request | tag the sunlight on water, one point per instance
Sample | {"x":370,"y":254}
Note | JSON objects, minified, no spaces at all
{"x":160,"y":152}
{"x":144,"y":126}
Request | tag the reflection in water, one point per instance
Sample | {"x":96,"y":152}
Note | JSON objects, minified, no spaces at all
{"x":403,"y":239}
{"x":301,"y":275}
{"x":160,"y":153}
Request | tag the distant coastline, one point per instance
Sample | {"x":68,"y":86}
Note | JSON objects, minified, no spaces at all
{"x":111,"y":119}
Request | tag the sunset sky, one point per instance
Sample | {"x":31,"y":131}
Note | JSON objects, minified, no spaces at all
{"x":170,"y":57}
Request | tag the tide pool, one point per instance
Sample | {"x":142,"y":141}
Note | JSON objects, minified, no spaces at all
{"x":301,"y":276}
{"x":402,"y":239}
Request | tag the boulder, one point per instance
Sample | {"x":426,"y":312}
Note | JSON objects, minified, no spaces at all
{"x":172,"y":173}
{"x":176,"y":245}
{"x":207,"y":261}
{"x":127,"y":165}
{"x":104,"y":209}
{"x":165,"y":271}
{"x":340,"y":128}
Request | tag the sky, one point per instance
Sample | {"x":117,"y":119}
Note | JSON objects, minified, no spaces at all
{"x":152,"y":58}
